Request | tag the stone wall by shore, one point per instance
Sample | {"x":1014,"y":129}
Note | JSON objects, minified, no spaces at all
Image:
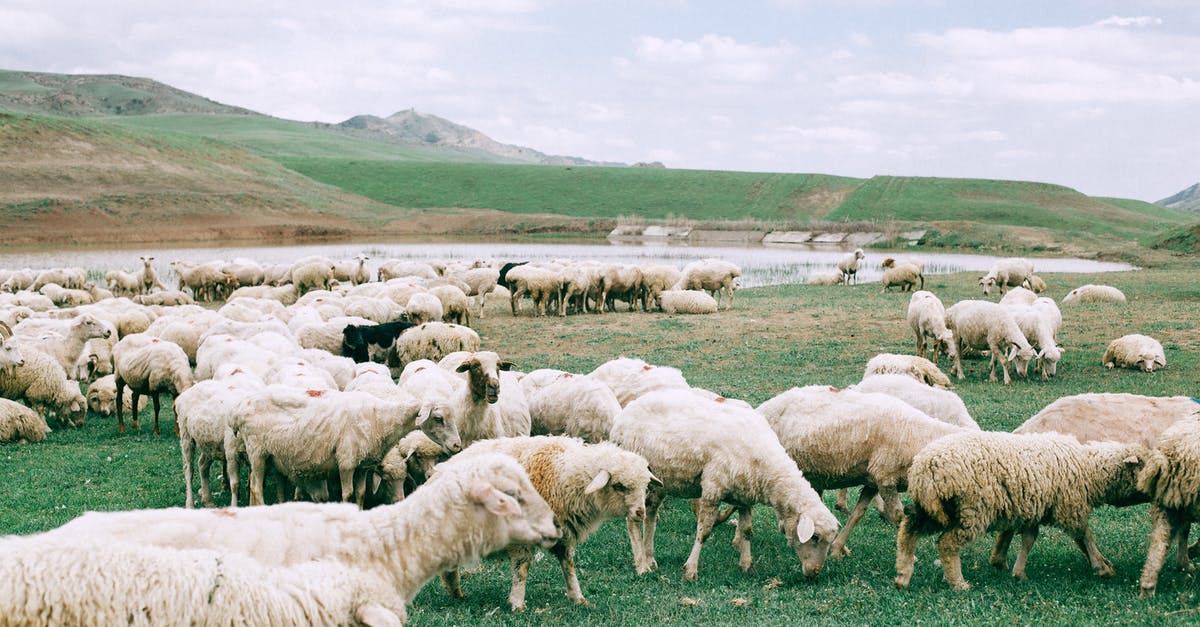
{"x":691,"y":235}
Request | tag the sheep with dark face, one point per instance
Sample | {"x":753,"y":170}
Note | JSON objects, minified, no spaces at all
{"x":357,"y":339}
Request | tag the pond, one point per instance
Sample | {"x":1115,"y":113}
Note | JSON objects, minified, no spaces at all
{"x":761,"y":265}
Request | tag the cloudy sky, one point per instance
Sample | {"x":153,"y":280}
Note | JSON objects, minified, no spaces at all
{"x":1099,"y":95}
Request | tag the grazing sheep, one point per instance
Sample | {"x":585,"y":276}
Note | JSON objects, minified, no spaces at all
{"x":1094,"y":294}
{"x":966,"y":484}
{"x":845,"y":438}
{"x":630,"y":378}
{"x":456,"y":307}
{"x":714,"y":275}
{"x":360,"y":340}
{"x":1116,"y":417}
{"x":70,"y":278}
{"x":286,"y":294}
{"x":480,"y":281}
{"x":291,"y":564}
{"x":981,"y":324}
{"x":687,"y":302}
{"x":316,"y":274}
{"x":904,"y":274}
{"x":620,"y":281}
{"x":202,"y":413}
{"x":939,"y":404}
{"x":655,"y":279}
{"x":1035,"y":283}
{"x":1171,"y":478}
{"x":102,"y":397}
{"x":826,"y":278}
{"x":1038,"y":327}
{"x":571,"y":404}
{"x":148,"y":365}
{"x":433,"y":341}
{"x":848,"y":265}
{"x":579,"y":283}
{"x":927,"y":317}
{"x":1006,"y":273}
{"x":720,"y":452}
{"x":541,"y":284}
{"x":19,"y":423}
{"x":424,"y":307}
{"x":1018,"y":296}
{"x":918,"y":368}
{"x":584,"y":484}
{"x":1135,"y":351}
{"x":36,"y":378}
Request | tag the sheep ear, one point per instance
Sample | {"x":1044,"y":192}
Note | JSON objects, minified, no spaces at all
{"x":1131,"y":460}
{"x":1012,"y":352}
{"x":655,"y":480}
{"x":599,"y":481}
{"x":805,"y":529}
{"x":506,"y":365}
{"x":463,"y":367}
{"x":494,"y":500}
{"x":423,"y":414}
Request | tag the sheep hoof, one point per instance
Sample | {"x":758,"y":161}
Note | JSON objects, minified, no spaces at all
{"x":690,"y":574}
{"x":518,"y":607}
{"x":960,"y":586}
{"x":1146,"y":593}
{"x":901,"y":582}
{"x":1000,"y":564}
{"x":838,"y":552}
{"x":1105,"y":570}
{"x":581,"y":601}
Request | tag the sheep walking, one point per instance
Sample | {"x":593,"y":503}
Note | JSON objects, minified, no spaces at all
{"x":927,"y":317}
{"x":966,"y":484}
{"x":904,"y":274}
{"x":1006,"y":273}
{"x":982,"y":324}
{"x":1135,"y":351}
{"x":1172,"y":480}
{"x":148,"y":365}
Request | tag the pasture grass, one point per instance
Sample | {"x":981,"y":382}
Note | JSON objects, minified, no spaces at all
{"x":774,"y":338}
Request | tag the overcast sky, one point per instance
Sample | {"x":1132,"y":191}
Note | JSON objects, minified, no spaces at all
{"x":1099,"y":95}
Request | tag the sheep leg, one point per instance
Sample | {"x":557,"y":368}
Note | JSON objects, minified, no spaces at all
{"x":949,"y":548}
{"x":957,"y":369}
{"x":258,"y":469}
{"x":705,"y":516}
{"x":520,"y":556}
{"x":921,"y":345}
{"x":452,"y":583}
{"x":231,"y":470}
{"x":346,"y":477}
{"x":843,"y":500}
{"x":1027,"y":540}
{"x":360,"y":487}
{"x":154,"y":397}
{"x":999,"y":558}
{"x":906,"y":553}
{"x":1087,"y":544}
{"x":186,"y":450}
{"x":1161,"y":532}
{"x":741,"y":538}
{"x":838,"y":548}
{"x":206,"y":462}
{"x":566,"y":559}
{"x":1183,"y":527}
{"x":654,"y":500}
{"x":120,"y":406}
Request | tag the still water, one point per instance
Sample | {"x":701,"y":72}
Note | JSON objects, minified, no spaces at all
{"x":761,"y":265}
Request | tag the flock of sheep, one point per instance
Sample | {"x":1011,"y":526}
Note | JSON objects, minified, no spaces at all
{"x":377,"y":393}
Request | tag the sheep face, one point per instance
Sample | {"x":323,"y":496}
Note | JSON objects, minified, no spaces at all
{"x":432,"y":420}
{"x":1149,"y":361}
{"x":10,"y":356}
{"x":811,"y":545}
{"x":1020,"y":358}
{"x":620,"y":489}
{"x":1048,"y":360}
{"x":92,"y":328}
{"x":523,"y":513}
{"x":987,"y":283}
{"x":483,"y":376}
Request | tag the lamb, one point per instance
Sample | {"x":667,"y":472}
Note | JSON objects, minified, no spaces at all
{"x":38,"y":379}
{"x":1094,"y":294}
{"x":307,"y":435}
{"x":630,"y":378}
{"x":904,"y":274}
{"x":456,"y":307}
{"x":826,"y":278}
{"x":584,"y":484}
{"x":1171,"y":478}
{"x":19,"y":423}
{"x":432,"y":340}
{"x":575,"y":405}
{"x":848,"y":265}
{"x":541,"y":284}
{"x":918,"y":368}
{"x":1039,"y":328}
{"x":936,"y":403}
{"x":102,"y":397}
{"x":714,"y":275}
{"x":687,"y":302}
{"x":845,"y":438}
{"x":927,"y":317}
{"x":341,"y":566}
{"x":968,"y":483}
{"x":983,"y":324}
{"x":720,"y":452}
{"x":1117,"y":417}
{"x":1135,"y":351}
{"x":148,"y":365}
{"x":1006,"y":273}
{"x":424,"y":307}
{"x":358,"y":339}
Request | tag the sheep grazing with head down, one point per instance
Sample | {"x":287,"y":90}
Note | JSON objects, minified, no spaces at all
{"x":966,"y":484}
{"x":717,"y":276}
{"x":981,"y":324}
{"x":36,"y":378}
{"x":1006,"y":273}
{"x":630,"y":378}
{"x":848,"y":265}
{"x":570,"y":404}
{"x":720,"y":452}
{"x":102,"y":397}
{"x":1094,"y":294}
{"x":927,"y":317}
{"x":1035,"y":283}
{"x":904,"y":274}
{"x":918,"y":368}
{"x":1135,"y":351}
{"x":937,"y":403}
{"x":1172,"y":480}
{"x":584,"y":484}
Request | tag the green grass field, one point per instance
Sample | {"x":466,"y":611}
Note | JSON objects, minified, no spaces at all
{"x":773,"y":339}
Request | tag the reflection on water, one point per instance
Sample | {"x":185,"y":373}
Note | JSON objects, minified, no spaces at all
{"x":760,"y":265}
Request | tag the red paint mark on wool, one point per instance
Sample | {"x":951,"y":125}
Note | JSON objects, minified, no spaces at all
{"x":647,"y":367}
{"x":224,"y":513}
{"x":316,"y":393}
{"x":236,"y":371}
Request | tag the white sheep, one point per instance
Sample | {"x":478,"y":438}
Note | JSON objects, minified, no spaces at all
{"x":966,"y":484}
{"x":1018,"y":296}
{"x":542,"y":285}
{"x":722,"y":453}
{"x":622,"y":281}
{"x":353,"y":271}
{"x":148,"y":278}
{"x":655,"y":279}
{"x":38,"y":379}
{"x":151,"y":366}
{"x":340,"y":565}
{"x":66,"y":347}
{"x":981,"y":324}
{"x":927,"y":318}
{"x":825,"y":278}
{"x":848,"y":265}
{"x":1039,"y":328}
{"x":846,"y":438}
{"x":1035,"y":283}
{"x":918,"y":368}
{"x":1117,"y":417}
{"x":687,"y":302}
{"x":19,"y":423}
{"x":395,"y":268}
{"x":286,"y":294}
{"x":316,"y":274}
{"x":904,"y":274}
{"x":432,"y":340}
{"x":584,"y":484}
{"x":1094,"y":294}
{"x":1006,"y":273}
{"x":480,"y":281}
{"x":1135,"y":351}
{"x":937,"y":403}
{"x":424,"y":307}
{"x":70,"y":278}
{"x":456,"y":307}
{"x":1171,"y":478}
{"x":203,"y":413}
{"x":714,"y":275}
{"x":102,"y":397}
{"x":491,"y":405}
{"x":571,"y":404}
{"x":630,"y":378}
{"x":166,"y":298}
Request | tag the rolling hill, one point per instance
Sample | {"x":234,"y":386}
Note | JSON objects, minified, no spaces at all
{"x":1187,"y":199}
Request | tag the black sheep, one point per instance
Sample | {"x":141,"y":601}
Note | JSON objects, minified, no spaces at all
{"x":357,"y":338}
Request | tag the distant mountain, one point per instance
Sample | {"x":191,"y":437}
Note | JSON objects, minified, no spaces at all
{"x":1188,"y":199}
{"x":411,"y":127}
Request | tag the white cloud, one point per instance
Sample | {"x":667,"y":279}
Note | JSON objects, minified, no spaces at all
{"x":715,"y":57}
{"x":596,"y":112}
{"x":1141,"y":20}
